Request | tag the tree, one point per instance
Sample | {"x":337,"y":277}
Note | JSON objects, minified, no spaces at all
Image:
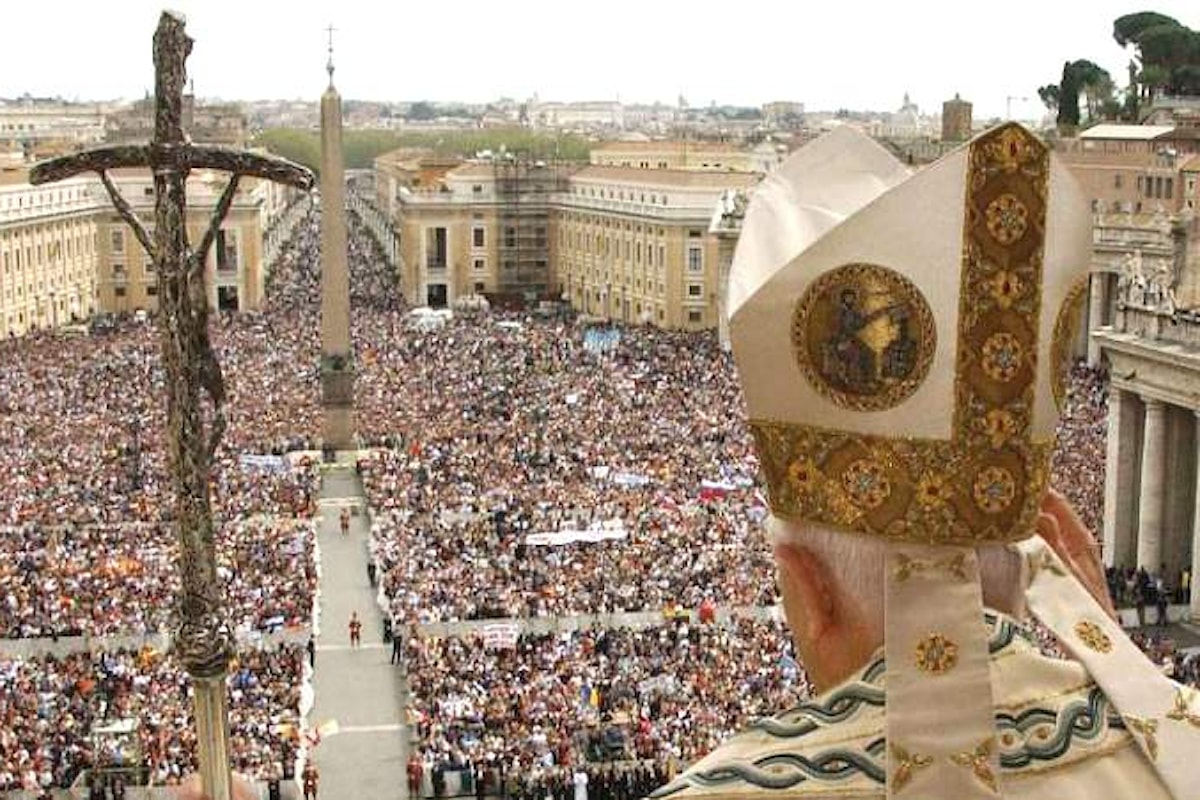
{"x":421,"y":111}
{"x":1168,"y":53}
{"x":1086,"y":78}
{"x":1128,"y":29}
{"x":1049,"y":96}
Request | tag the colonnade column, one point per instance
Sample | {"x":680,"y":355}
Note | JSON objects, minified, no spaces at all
{"x":1097,"y":298}
{"x":1150,"y":507}
{"x":1195,"y":600}
{"x":1119,"y":479}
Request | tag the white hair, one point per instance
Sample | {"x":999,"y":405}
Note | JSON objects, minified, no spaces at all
{"x":856,"y":562}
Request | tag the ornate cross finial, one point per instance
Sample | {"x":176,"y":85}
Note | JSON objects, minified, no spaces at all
{"x":329,"y":64}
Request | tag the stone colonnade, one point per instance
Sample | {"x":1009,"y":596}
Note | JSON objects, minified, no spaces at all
{"x":1152,"y":498}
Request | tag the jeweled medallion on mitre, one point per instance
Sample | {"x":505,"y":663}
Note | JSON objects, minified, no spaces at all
{"x":864,"y":336}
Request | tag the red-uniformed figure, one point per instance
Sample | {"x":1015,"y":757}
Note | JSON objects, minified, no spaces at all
{"x":416,"y":771}
{"x":355,"y":629}
{"x":309,"y":776}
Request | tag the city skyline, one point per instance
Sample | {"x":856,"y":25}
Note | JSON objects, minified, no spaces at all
{"x":634,"y":53}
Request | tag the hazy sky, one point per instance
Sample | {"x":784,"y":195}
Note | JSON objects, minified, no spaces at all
{"x":829,"y":54}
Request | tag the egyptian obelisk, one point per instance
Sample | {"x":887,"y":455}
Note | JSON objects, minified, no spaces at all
{"x":337,"y":363}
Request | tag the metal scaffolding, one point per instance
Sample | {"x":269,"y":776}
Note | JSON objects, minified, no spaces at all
{"x":524,"y":189}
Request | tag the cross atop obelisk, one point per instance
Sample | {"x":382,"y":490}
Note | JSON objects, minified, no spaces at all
{"x":337,"y":362}
{"x":329,"y":63}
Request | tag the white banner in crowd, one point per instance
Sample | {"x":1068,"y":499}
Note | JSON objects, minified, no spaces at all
{"x":500,"y":635}
{"x":255,"y":463}
{"x":605,"y":531}
{"x":632,"y":479}
{"x":627,"y":479}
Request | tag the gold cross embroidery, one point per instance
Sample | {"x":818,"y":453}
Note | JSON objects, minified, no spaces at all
{"x":980,"y":762}
{"x":906,"y":566}
{"x":1182,"y":710}
{"x":1044,"y":560}
{"x":1148,"y":730}
{"x":908,"y":764}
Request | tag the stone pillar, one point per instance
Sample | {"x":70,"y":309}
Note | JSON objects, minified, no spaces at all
{"x":1097,"y":298}
{"x":337,"y":364}
{"x":1119,"y":479}
{"x":211,"y":706}
{"x":1195,"y":600}
{"x":1150,"y":507}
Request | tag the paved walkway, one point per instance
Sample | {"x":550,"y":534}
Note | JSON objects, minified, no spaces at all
{"x":358,"y":688}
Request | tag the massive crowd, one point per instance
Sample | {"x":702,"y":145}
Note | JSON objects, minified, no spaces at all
{"x":666,"y":694}
{"x":86,"y":545}
{"x":132,"y":709}
{"x":106,"y":580}
{"x":548,"y":478}
{"x":1077,"y":469}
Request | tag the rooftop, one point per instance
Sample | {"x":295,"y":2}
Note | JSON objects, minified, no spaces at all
{"x":1140,"y":133}
{"x":669,"y":177}
{"x":672,"y":146}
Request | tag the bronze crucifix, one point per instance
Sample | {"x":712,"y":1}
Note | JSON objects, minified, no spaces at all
{"x":203,"y":642}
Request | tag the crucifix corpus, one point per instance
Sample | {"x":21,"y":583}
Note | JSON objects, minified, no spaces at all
{"x":202,"y":641}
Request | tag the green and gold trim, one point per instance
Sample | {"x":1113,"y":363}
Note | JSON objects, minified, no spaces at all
{"x":986,"y":482}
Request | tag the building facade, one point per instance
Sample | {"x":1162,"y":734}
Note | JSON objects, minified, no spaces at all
{"x":235,"y":274}
{"x":635,"y":245}
{"x":689,"y":155}
{"x":65,"y":254}
{"x":49,"y":251}
{"x":1137,"y":169}
{"x":623,"y":243}
{"x":956,"y":120}
{"x":33,"y":127}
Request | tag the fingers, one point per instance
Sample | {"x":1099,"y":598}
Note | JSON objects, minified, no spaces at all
{"x":1048,"y":528}
{"x":1064,"y":531}
{"x":1076,"y":538}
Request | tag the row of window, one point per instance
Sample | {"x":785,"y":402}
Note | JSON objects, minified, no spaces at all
{"x":1158,"y":187}
{"x":604,"y":221}
{"x":38,"y":252}
{"x":42,"y":199}
{"x":593,"y":303}
{"x":609,"y":193}
{"x":20,"y":291}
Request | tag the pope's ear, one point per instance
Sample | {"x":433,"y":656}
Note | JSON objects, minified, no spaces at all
{"x":810,"y":581}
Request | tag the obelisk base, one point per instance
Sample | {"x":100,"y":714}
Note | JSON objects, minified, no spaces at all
{"x":338,"y":432}
{"x":212,"y":744}
{"x":337,"y":401}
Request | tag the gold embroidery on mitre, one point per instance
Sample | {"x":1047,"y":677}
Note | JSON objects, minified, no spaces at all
{"x":1147,"y":729}
{"x":866,"y":483}
{"x":906,"y":764}
{"x":994,"y":489}
{"x":907,"y":567}
{"x":1093,"y":637}
{"x":1002,"y":356}
{"x":980,"y":762}
{"x":936,"y":654}
{"x":984,"y":483}
{"x":1066,"y":327}
{"x":1007,"y":219}
{"x":863,"y":336}
{"x":932,"y":495}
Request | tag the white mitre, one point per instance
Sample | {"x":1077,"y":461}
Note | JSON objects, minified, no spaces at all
{"x":902,"y":341}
